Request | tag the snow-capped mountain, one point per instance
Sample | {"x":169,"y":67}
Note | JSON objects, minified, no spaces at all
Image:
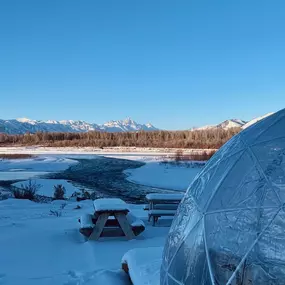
{"x":233,"y":123}
{"x":126,"y":125}
{"x":24,"y":125}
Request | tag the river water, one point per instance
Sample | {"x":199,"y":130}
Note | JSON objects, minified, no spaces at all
{"x":102,"y":175}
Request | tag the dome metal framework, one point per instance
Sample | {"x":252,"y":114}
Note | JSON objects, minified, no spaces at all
{"x":230,"y":227}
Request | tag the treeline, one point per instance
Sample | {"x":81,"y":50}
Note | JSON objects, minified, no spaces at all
{"x":204,"y":139}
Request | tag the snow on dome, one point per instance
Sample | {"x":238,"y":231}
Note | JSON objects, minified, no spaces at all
{"x":230,"y":226}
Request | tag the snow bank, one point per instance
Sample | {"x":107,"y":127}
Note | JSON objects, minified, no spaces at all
{"x":144,"y":265}
{"x":163,"y":175}
{"x":47,"y":186}
{"x":16,"y":169}
{"x":39,"y":164}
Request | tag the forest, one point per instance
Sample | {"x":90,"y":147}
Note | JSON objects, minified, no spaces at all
{"x":192,"y":139}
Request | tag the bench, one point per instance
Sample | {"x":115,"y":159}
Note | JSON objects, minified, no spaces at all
{"x":155,"y":214}
{"x":162,"y":205}
{"x":112,"y":227}
{"x":86,"y":225}
{"x":143,"y":265}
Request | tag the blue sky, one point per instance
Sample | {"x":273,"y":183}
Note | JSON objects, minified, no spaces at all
{"x":177,"y":64}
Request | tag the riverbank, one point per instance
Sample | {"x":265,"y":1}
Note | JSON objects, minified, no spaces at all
{"x":103,"y":176}
{"x":102,"y":151}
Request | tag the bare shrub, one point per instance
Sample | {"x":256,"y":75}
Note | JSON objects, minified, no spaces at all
{"x":201,"y":156}
{"x":27,"y":191}
{"x":85,"y":194}
{"x":82,"y":195}
{"x":59,"y":192}
{"x":58,"y":213}
{"x":178,"y":155}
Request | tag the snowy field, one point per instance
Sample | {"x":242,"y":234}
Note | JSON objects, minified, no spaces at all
{"x":38,"y":248}
{"x":163,"y":175}
{"x":14,"y":169}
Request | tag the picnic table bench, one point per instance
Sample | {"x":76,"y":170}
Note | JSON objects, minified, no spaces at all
{"x":112,"y":217}
{"x":162,"y":205}
{"x":143,"y":265}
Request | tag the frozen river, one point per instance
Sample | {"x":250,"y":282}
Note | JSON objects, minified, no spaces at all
{"x":106,"y":176}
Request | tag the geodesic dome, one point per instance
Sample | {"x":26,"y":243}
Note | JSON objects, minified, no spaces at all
{"x":230,"y":227}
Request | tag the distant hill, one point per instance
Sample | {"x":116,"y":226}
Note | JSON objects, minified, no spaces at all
{"x":233,"y":123}
{"x":228,"y":124}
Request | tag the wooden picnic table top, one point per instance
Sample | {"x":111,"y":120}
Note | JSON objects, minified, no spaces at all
{"x":164,"y":197}
{"x":110,"y":205}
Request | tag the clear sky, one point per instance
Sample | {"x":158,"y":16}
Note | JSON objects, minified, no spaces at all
{"x":177,"y":64}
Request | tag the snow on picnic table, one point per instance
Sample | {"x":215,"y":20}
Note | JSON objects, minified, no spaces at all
{"x":47,"y":186}
{"x":163,"y":175}
{"x":164,"y":197}
{"x":110,"y":204}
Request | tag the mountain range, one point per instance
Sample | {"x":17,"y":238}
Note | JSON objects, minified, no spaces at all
{"x":24,"y":125}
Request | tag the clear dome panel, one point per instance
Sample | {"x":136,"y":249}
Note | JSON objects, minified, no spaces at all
{"x":251,"y":190}
{"x":205,"y":186}
{"x":271,"y":158}
{"x":271,"y":245}
{"x":230,"y":236}
{"x":187,"y":219}
{"x":255,"y":132}
{"x":274,"y":130}
{"x":230,"y":227}
{"x":192,"y":255}
{"x":229,"y":149}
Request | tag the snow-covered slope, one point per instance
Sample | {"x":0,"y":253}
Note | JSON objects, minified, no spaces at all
{"x":233,"y":123}
{"x":24,"y":125}
{"x":248,"y":124}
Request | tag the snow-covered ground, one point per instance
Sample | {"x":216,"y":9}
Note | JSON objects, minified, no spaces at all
{"x":40,"y":163}
{"x":46,"y":186}
{"x":38,"y":248}
{"x":164,"y":175}
{"x":14,"y":169}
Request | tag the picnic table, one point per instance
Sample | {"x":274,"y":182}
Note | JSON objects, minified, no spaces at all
{"x":111,"y":218}
{"x":162,"y":205}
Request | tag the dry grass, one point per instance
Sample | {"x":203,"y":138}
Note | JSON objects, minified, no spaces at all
{"x":15,"y":156}
{"x":204,"y":156}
